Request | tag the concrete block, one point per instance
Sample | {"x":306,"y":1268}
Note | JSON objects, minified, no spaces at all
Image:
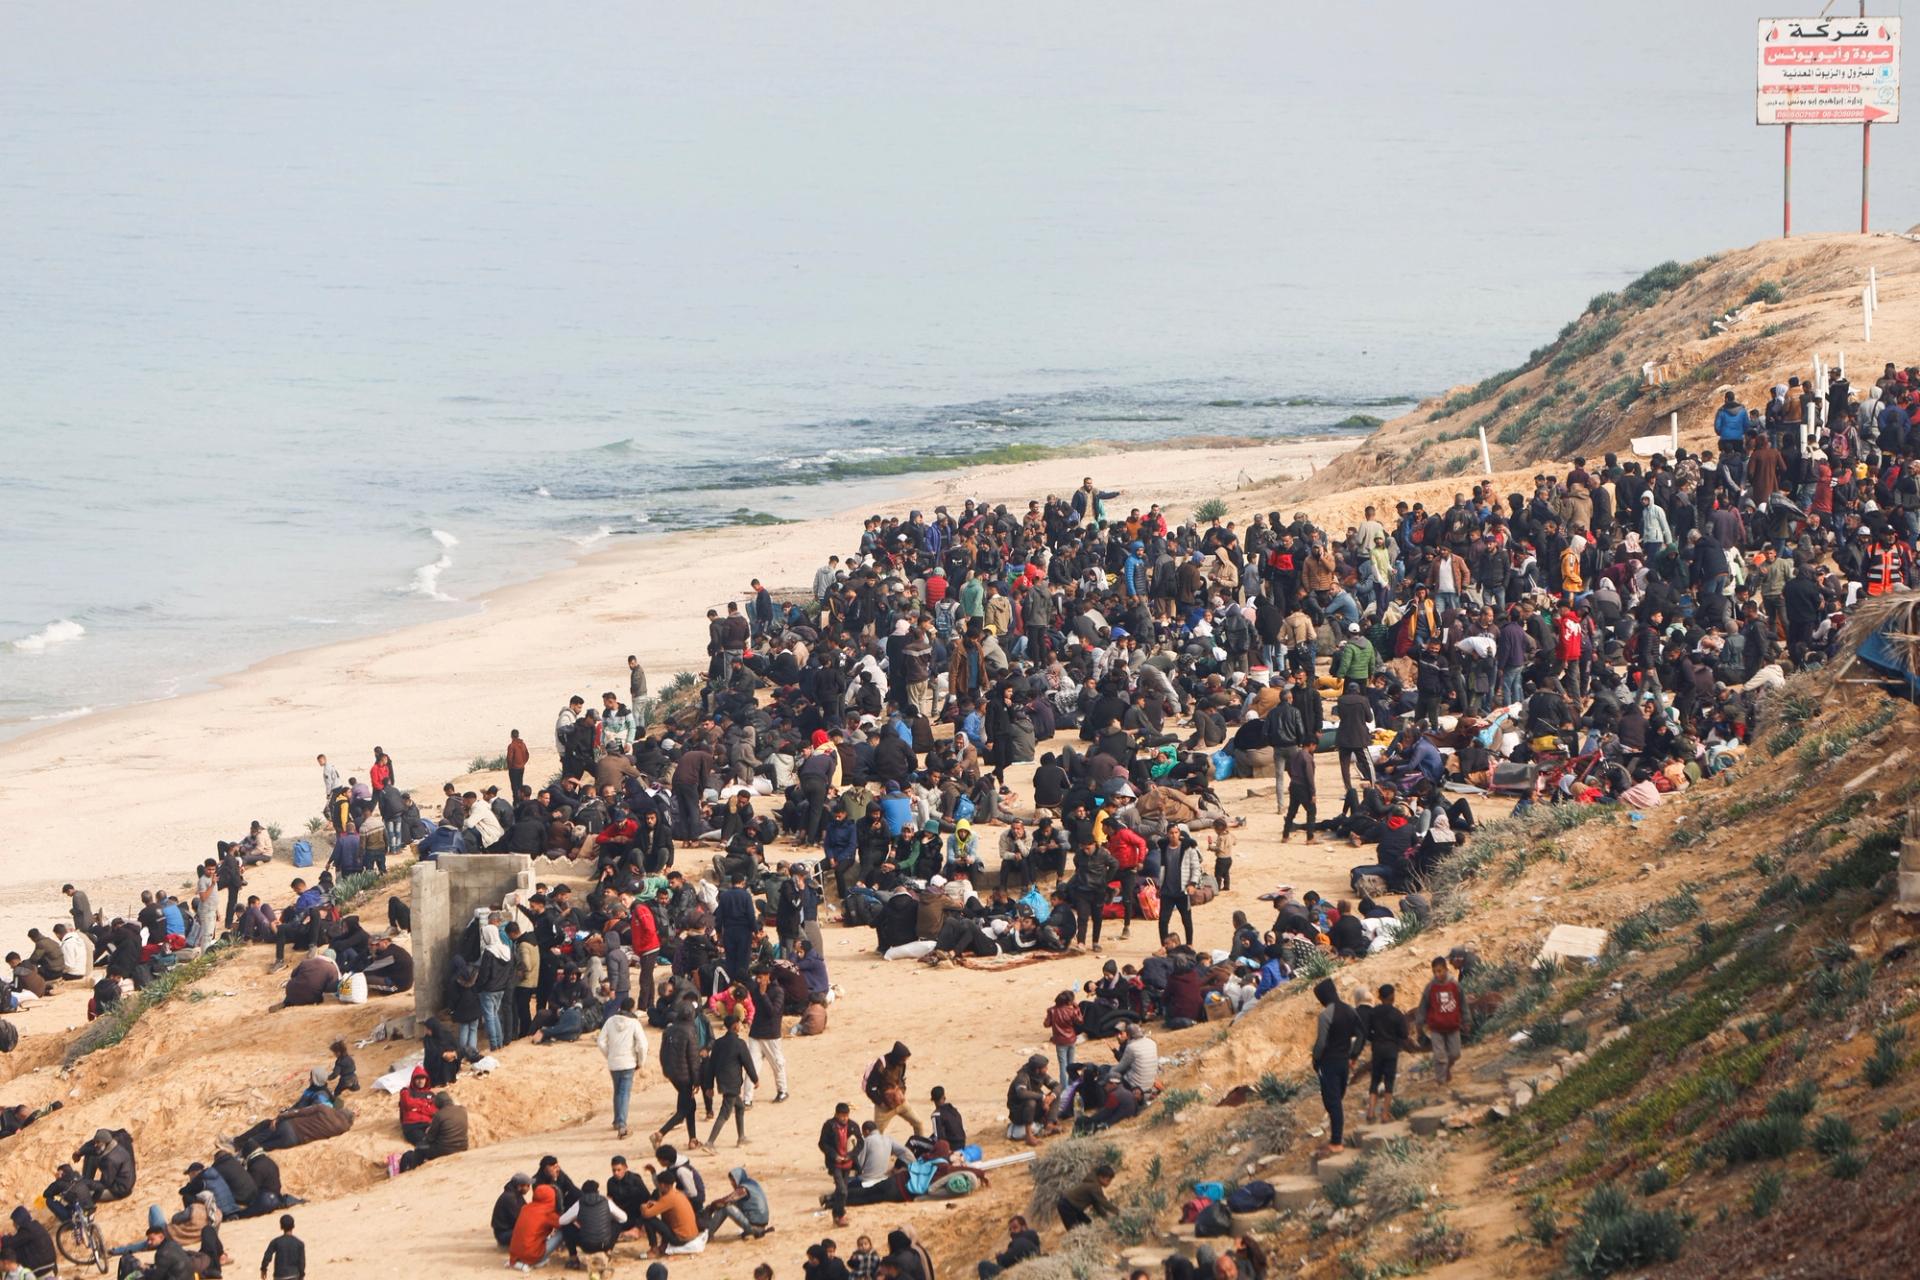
{"x":1427,"y":1120}
{"x":1330,"y":1169}
{"x":446,"y":892}
{"x":1375,"y":1136}
{"x":1263,"y":1220}
{"x":432,"y":937}
{"x":1148,"y":1258}
{"x":1573,"y":942}
{"x":1294,"y":1191}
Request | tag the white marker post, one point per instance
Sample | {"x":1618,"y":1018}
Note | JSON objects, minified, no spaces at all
{"x":1673,"y":429}
{"x":1486,"y":458}
{"x":1866,"y":317}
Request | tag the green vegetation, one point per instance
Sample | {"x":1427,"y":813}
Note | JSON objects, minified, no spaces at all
{"x":1847,"y":1165}
{"x":1885,"y":1062}
{"x":1890,"y":1119}
{"x":1612,"y":1235}
{"x":113,"y":1026}
{"x":1767,"y":291}
{"x":1398,"y":1177}
{"x":1685,"y":1103}
{"x":1584,"y":343}
{"x":1480,"y":391}
{"x":1795,"y":1100}
{"x":1833,"y":1135}
{"x":1358,"y":422}
{"x":1622,"y":1065}
{"x":1654,"y":1180}
{"x":1276,"y":1091}
{"x":1661,"y":280}
{"x":486,"y":764}
{"x":1211,"y":509}
{"x":1770,"y":1137}
{"x":757,"y":519}
{"x":1437,"y":1242}
{"x":1765,"y":1194}
{"x":1172,"y":1103}
{"x":680,"y":693}
{"x":1344,"y":1191}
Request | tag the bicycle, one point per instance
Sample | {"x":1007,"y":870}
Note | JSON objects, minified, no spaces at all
{"x":79,"y":1241}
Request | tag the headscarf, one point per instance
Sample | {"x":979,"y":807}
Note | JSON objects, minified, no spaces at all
{"x":491,"y":941}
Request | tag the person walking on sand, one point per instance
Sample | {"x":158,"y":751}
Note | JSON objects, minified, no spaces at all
{"x":1442,"y":1011}
{"x":732,"y":1063}
{"x":623,"y":1042}
{"x":329,"y":780}
{"x":886,"y":1087}
{"x":1386,"y":1029}
{"x":1336,"y":1043}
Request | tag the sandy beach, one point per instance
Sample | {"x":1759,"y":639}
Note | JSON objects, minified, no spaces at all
{"x":202,"y":766}
{"x":196,"y":769}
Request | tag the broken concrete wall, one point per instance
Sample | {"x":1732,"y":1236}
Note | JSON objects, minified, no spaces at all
{"x":446,"y":892}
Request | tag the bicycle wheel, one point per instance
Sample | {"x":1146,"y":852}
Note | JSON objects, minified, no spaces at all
{"x":99,"y":1246}
{"x":73,"y":1243}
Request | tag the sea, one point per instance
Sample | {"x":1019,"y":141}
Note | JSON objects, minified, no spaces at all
{"x":326,"y":320}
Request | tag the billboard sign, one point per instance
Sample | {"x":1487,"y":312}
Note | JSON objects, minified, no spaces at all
{"x":1829,"y":71}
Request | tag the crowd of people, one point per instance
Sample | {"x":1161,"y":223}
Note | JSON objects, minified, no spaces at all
{"x":1603,"y":638}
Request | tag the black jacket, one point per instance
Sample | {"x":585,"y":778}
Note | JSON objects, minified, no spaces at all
{"x":506,"y":1212}
{"x":732,"y":1063}
{"x":768,"y":1005}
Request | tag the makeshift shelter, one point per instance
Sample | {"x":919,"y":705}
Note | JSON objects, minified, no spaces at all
{"x":1883,"y":635}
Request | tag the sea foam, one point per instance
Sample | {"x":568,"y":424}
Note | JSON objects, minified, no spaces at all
{"x":59,"y":631}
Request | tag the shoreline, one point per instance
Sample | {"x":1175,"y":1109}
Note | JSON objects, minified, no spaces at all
{"x":199,"y":767}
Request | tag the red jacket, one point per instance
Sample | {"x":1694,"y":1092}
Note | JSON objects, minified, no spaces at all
{"x":1127,"y":848}
{"x":416,"y":1100}
{"x":1567,"y":628}
{"x":645,"y":931}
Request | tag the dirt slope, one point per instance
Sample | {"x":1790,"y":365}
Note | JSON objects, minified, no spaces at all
{"x":1585,"y":392}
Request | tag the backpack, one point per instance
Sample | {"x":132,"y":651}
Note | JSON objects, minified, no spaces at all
{"x":1443,"y":1008}
{"x":1214,"y":1220}
{"x":1251,"y":1197}
{"x":302,"y":853}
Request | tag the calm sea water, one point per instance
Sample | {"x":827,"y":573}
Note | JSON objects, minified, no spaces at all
{"x":323,"y":321}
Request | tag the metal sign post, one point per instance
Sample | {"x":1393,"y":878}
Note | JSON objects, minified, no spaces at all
{"x":1786,"y":186}
{"x":1827,"y":71}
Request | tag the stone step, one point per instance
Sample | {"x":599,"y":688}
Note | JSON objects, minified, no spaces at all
{"x":1372,"y":1137}
{"x":1294,"y":1191}
{"x":1148,"y":1258}
{"x":1259,"y":1220}
{"x":1479,"y":1095}
{"x":1330,"y":1169}
{"x":1427,"y":1120}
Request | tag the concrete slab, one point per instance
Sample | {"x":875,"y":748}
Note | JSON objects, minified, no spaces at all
{"x":1573,"y":942}
{"x":1294,"y":1191}
{"x":1330,"y":1169}
{"x":1427,"y":1120}
{"x":1375,"y":1136}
